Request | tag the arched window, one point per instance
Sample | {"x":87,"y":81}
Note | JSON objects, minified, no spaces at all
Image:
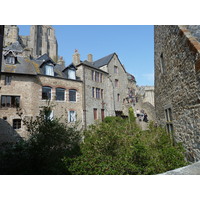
{"x":46,"y":93}
{"x":49,"y":31}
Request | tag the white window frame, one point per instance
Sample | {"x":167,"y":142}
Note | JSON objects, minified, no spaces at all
{"x":70,"y":75}
{"x":49,"y":70}
{"x":70,"y":118}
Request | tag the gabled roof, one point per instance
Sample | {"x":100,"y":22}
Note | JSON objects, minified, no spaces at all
{"x":103,"y":61}
{"x":16,"y":46}
{"x":23,"y":66}
{"x":45,"y":58}
{"x":70,"y":66}
{"x":89,"y":64}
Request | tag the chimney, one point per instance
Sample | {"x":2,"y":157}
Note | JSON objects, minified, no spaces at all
{"x":76,"y":58}
{"x":90,"y":58}
{"x":61,"y":61}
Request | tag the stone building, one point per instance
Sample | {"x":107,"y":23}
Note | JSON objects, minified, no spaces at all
{"x":32,"y":83}
{"x":84,"y":91}
{"x":146,"y":93}
{"x":106,"y":90}
{"x":41,"y":40}
{"x":177,"y":84}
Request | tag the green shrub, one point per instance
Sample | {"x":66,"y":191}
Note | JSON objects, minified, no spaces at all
{"x":117,"y":146}
{"x":49,"y":141}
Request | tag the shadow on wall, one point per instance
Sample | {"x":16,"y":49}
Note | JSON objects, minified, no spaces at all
{"x":7,"y":133}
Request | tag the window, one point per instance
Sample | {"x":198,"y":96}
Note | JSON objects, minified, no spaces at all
{"x":168,"y":117}
{"x":93,"y":73}
{"x":71,"y":74}
{"x":118,"y":97}
{"x":101,"y":78}
{"x":116,"y":83}
{"x":48,"y":31}
{"x":162,"y":64}
{"x":95,"y":114}
{"x":46,"y":93}
{"x":71,"y":116}
{"x":102,"y":96}
{"x":8,"y":80}
{"x":10,"y":59}
{"x":49,"y":70}
{"x":60,"y":94}
{"x":98,"y":93}
{"x":72,"y":95}
{"x":93,"y":92}
{"x":115,"y":69}
{"x":97,"y":76}
{"x":16,"y":123}
{"x":10,"y":101}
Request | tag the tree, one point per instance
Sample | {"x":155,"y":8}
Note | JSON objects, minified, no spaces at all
{"x":42,"y":153}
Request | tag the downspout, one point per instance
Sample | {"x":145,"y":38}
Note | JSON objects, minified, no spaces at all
{"x":1,"y":43}
{"x":113,"y":93}
{"x":1,"y":46}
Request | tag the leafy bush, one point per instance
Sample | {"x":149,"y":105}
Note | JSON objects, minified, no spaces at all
{"x":118,"y":146}
{"x":49,"y":141}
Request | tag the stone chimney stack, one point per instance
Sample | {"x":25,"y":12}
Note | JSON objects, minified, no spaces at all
{"x":90,"y":59}
{"x":61,"y":61}
{"x":76,"y":58}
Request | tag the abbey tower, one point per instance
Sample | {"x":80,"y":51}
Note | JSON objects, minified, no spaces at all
{"x":40,"y":41}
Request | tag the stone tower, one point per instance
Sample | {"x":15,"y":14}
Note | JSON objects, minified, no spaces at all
{"x":40,"y":41}
{"x":43,"y":40}
{"x":11,"y":34}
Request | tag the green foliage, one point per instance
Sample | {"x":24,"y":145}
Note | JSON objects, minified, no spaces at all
{"x":115,"y":146}
{"x":42,"y":153}
{"x":118,"y":146}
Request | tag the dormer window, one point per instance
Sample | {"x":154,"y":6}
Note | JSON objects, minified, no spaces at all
{"x":49,"y":70}
{"x":10,"y":59}
{"x":71,"y":73}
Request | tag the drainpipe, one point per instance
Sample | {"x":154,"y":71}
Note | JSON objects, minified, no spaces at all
{"x":1,"y":43}
{"x":113,"y":92}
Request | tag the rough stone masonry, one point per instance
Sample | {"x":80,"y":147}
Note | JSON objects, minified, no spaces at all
{"x":177,"y":84}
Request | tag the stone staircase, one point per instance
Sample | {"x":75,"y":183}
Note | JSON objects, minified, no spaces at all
{"x":148,"y":108}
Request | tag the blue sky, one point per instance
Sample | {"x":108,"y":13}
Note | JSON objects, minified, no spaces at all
{"x":133,"y":44}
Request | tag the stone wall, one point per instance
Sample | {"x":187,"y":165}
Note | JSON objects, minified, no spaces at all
{"x":29,"y":88}
{"x":91,"y":102}
{"x":122,"y":88}
{"x":177,"y":85}
{"x":147,"y":94}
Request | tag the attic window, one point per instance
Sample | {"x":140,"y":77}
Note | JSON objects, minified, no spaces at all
{"x":10,"y":59}
{"x":71,"y":73}
{"x":49,"y":70}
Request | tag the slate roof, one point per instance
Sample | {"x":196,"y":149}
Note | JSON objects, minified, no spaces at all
{"x":16,"y":46}
{"x":103,"y":61}
{"x":23,"y":66}
{"x":45,"y":58}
